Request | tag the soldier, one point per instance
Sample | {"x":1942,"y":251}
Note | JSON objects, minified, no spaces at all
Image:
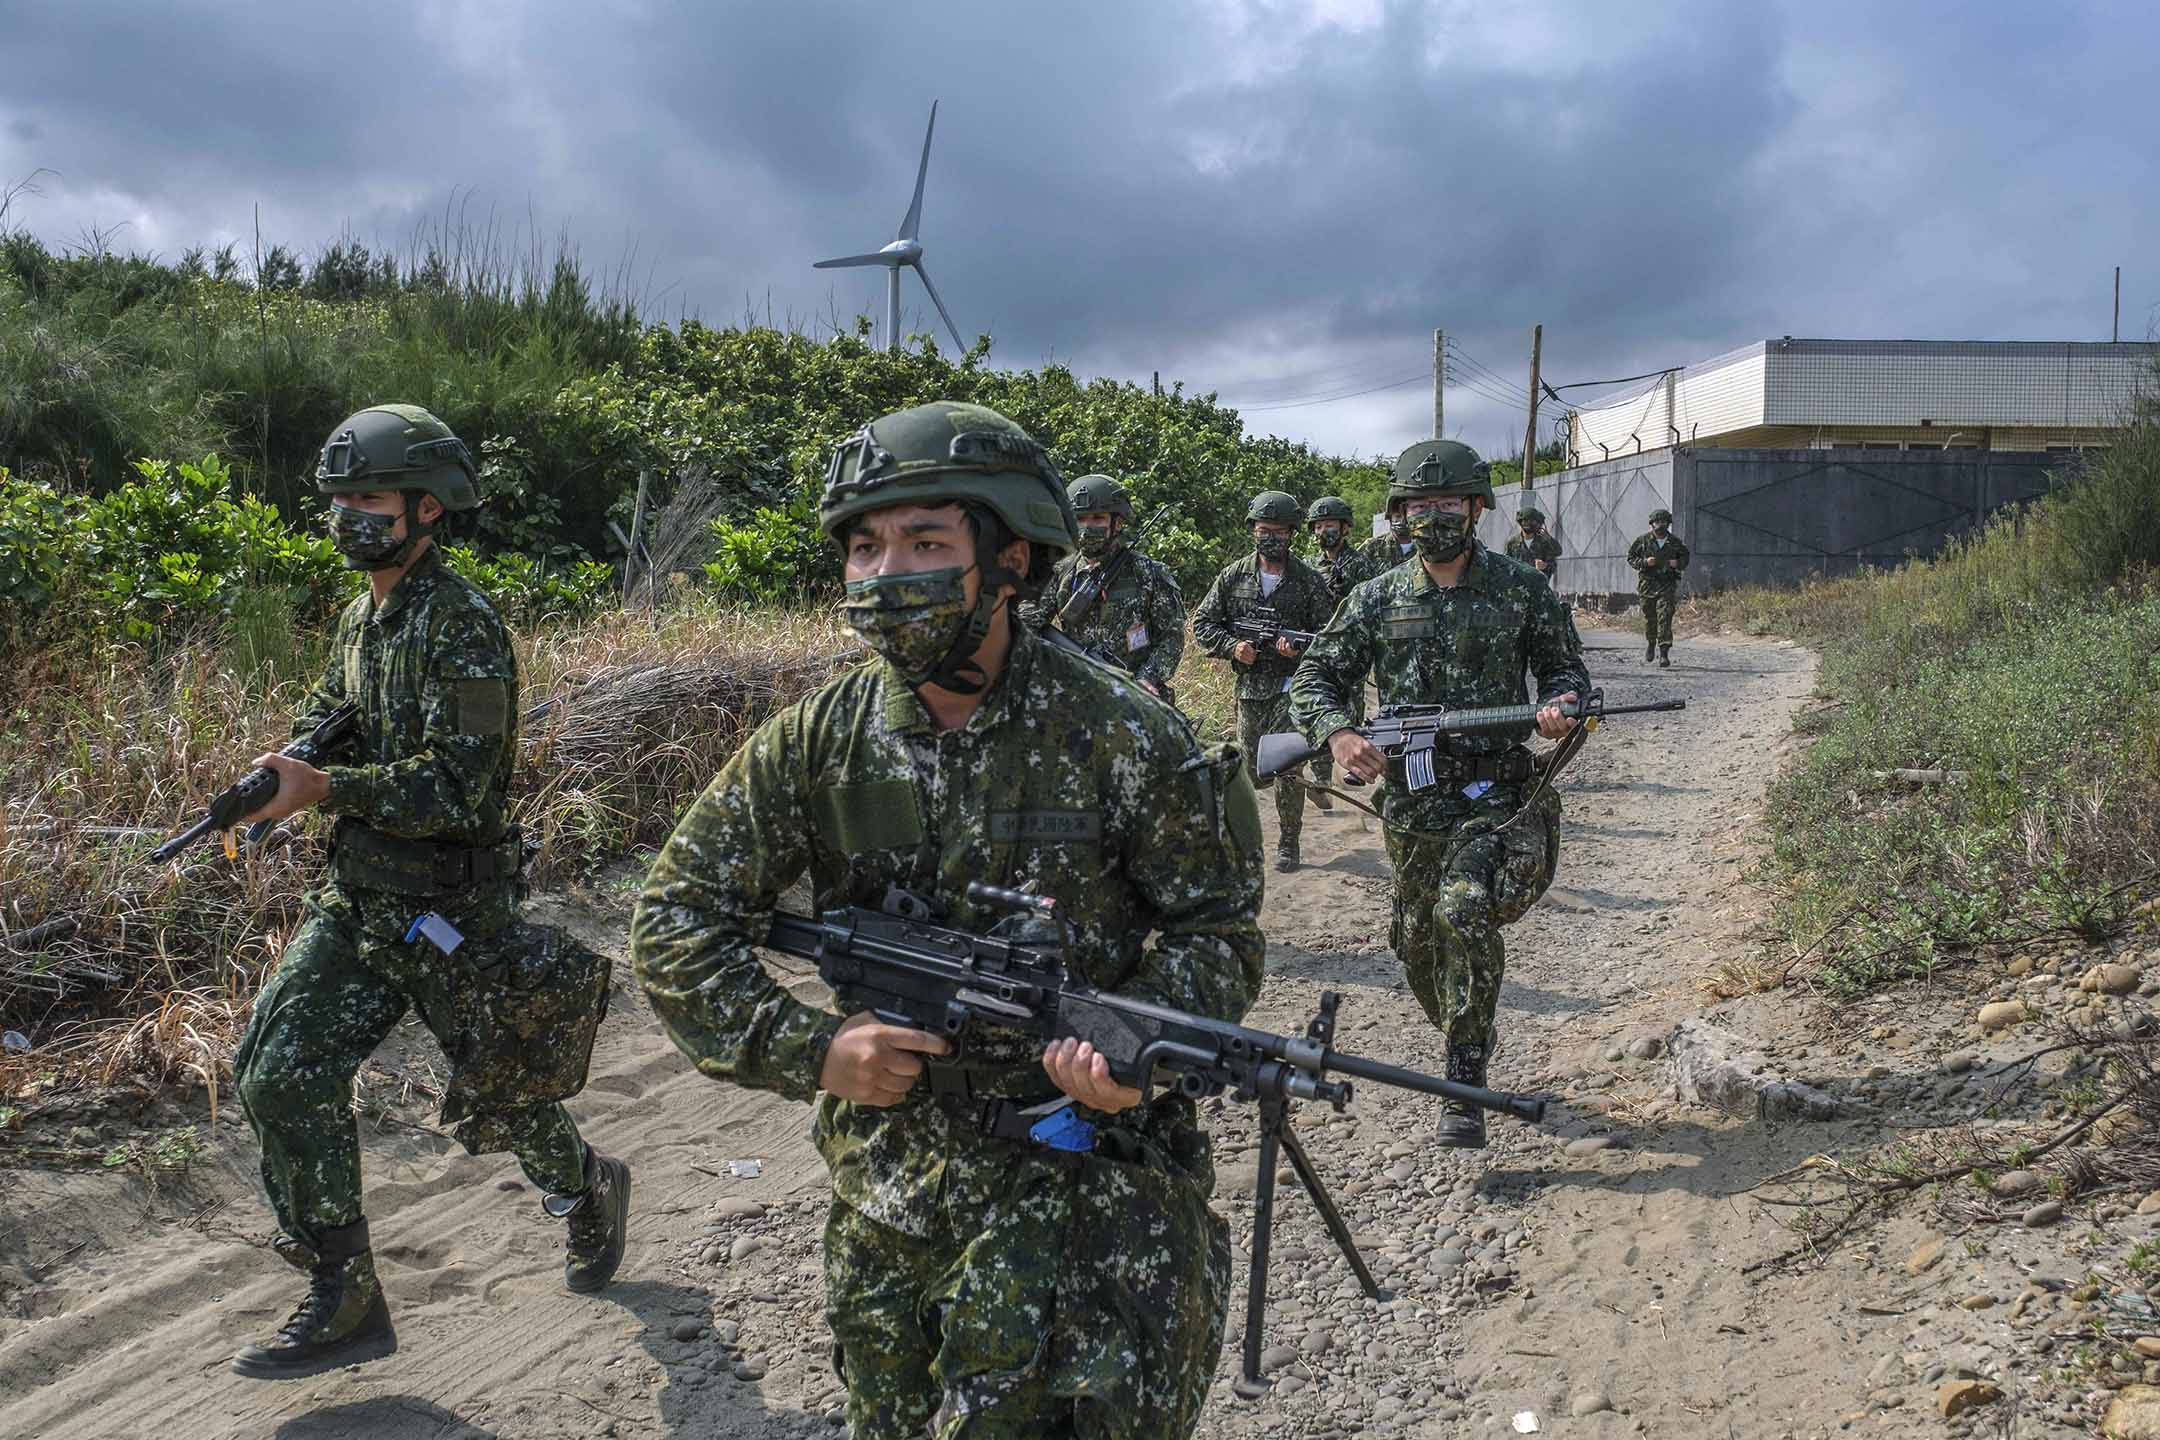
{"x":1383,"y":553}
{"x":976,"y":1282}
{"x":1458,"y":628}
{"x":1329,"y":521}
{"x":1138,"y":624}
{"x":1269,"y":577}
{"x":418,"y":911}
{"x":1534,"y":547}
{"x":1658,"y":558}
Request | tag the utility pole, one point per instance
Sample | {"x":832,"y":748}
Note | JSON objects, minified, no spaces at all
{"x":2116,"y":337}
{"x":1439,"y":382}
{"x":1529,"y":443}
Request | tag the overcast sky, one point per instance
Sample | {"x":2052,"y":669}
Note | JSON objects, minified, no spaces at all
{"x":1276,"y":201}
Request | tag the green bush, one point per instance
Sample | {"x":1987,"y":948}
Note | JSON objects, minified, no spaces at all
{"x":527,"y":590}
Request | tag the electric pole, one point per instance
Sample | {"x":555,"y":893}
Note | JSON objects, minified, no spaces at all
{"x":2116,"y":337}
{"x":1439,"y":382}
{"x":1529,"y":444}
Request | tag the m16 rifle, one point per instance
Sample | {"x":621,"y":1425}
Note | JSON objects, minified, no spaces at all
{"x":1263,"y":626}
{"x":1096,"y":583}
{"x":1414,"y":735}
{"x":908,"y":970}
{"x":255,"y":789}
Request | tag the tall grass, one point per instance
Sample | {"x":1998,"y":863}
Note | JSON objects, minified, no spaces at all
{"x":2023,"y":663}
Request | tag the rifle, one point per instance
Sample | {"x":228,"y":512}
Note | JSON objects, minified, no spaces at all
{"x":255,"y":789}
{"x":906,"y":969}
{"x":1412,"y":733}
{"x":1263,"y":626}
{"x":1074,"y":612}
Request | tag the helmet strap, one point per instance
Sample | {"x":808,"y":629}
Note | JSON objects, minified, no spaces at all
{"x":957,"y":670}
{"x":415,"y":531}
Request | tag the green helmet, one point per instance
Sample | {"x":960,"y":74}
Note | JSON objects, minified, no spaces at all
{"x":1664,"y":515}
{"x":1092,"y":494}
{"x":1329,"y":507}
{"x":1529,"y":513}
{"x":947,"y":452}
{"x":1274,"y":507}
{"x":398,"y":447}
{"x":1440,"y":467}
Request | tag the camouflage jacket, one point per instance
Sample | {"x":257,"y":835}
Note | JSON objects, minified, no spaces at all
{"x":1541,"y":547}
{"x":1301,"y":602}
{"x":1349,"y":568}
{"x":436,"y":679}
{"x":1068,"y":777}
{"x":1467,"y":645}
{"x":1665,"y":576}
{"x":1139,"y":623}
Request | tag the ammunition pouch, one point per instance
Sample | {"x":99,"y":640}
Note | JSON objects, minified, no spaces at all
{"x":529,"y":1002}
{"x":368,"y":859}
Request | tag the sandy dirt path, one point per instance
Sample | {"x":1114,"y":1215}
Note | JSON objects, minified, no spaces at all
{"x":1591,"y":1265}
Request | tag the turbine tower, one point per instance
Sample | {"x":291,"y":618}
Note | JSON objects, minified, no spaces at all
{"x":905,"y":249}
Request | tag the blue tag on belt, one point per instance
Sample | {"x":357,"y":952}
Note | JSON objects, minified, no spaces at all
{"x":1063,"y":1130}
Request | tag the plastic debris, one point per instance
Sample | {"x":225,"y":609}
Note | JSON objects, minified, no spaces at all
{"x":746,"y":1169}
{"x":15,"y":1043}
{"x":1526,"y":1422}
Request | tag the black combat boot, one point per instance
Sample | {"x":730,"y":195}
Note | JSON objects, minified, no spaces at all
{"x":1462,"y":1127}
{"x":599,"y":1221}
{"x":1664,"y":656}
{"x":1286,"y":856}
{"x":1321,"y":799}
{"x":343,"y":1321}
{"x":1649,"y":651}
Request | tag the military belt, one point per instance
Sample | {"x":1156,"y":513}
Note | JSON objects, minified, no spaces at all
{"x":363,"y":856}
{"x":1507,"y":768}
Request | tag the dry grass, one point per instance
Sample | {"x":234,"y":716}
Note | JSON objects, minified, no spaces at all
{"x":114,"y":967}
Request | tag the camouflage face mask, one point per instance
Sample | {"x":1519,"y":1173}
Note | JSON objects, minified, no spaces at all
{"x":365,"y":539}
{"x":1398,"y":526}
{"x":1094,"y":541}
{"x":1330,"y":536}
{"x":911,"y":620}
{"x":1439,"y":536}
{"x":1272,"y":547}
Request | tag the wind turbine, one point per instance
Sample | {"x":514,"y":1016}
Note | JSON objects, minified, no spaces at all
{"x":905,"y":249}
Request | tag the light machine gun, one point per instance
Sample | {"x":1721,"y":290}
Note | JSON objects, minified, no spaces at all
{"x":909,"y":971}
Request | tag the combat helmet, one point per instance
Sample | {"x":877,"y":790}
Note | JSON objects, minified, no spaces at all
{"x":1440,"y":467}
{"x":1529,"y":513}
{"x":1328,"y":507}
{"x":1099,"y":494}
{"x":398,"y":447}
{"x":1661,"y":514}
{"x":1274,"y":507}
{"x":947,"y":452}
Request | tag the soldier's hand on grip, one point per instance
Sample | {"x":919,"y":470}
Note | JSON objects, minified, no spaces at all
{"x":1552,"y":724}
{"x":1075,"y":1068}
{"x":872,"y":1063}
{"x":1360,"y":759}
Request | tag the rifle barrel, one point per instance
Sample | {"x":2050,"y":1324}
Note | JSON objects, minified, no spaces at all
{"x":1522,"y":1107}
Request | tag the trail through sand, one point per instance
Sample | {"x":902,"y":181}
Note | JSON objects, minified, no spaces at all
{"x":1589,"y":1271}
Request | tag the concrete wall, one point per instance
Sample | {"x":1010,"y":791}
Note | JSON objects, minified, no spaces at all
{"x":1770,"y":517}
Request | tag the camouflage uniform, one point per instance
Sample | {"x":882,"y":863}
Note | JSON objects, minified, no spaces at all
{"x":1139,"y":623}
{"x":1375,"y":558}
{"x":1461,"y":872}
{"x":976,"y":1286}
{"x":436,"y":680}
{"x":1659,"y":587}
{"x":1531,"y":548}
{"x":1301,"y":602}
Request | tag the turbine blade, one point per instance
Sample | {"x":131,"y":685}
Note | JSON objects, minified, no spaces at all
{"x":846,"y":260}
{"x":941,"y":310}
{"x":909,"y":226}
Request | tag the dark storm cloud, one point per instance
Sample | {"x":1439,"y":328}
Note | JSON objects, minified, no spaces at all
{"x":1276,"y":200}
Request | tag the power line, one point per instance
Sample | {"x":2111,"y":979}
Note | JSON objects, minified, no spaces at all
{"x":1422,"y":377}
{"x":1479,"y":367}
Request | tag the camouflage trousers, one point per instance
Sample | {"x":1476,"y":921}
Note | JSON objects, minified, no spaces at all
{"x":1266,"y":717}
{"x":336,"y":993}
{"x":1657,"y":613}
{"x":1455,"y":887}
{"x":1075,"y":1298}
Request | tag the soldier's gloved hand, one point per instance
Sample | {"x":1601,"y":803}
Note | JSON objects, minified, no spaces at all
{"x":1287,"y":650}
{"x":299,"y":786}
{"x":873,"y":1063}
{"x":1075,"y":1068}
{"x":1245,"y":654}
{"x":1360,"y":759}
{"x":1551,"y":723}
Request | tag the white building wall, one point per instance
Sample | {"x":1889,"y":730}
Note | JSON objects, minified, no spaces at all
{"x":1722,"y":394}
